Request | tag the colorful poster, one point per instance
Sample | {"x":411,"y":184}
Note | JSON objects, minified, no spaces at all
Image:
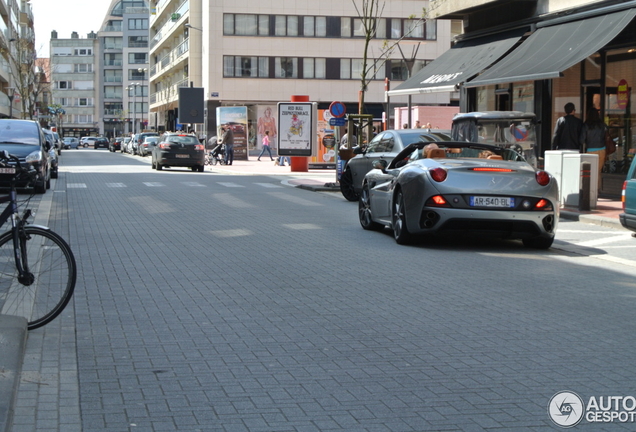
{"x":326,"y":152}
{"x":297,"y":130}
{"x":235,"y":118}
{"x":266,"y":122}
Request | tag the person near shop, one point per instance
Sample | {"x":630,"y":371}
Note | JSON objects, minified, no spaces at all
{"x":567,"y":132}
{"x":228,"y":140}
{"x":593,"y":138}
{"x":266,"y":147}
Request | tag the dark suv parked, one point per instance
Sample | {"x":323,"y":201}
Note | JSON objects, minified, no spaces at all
{"x":26,"y":140}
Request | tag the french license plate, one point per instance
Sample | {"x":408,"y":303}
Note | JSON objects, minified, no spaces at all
{"x":487,"y":201}
{"x":182,"y":156}
{"x":7,"y":170}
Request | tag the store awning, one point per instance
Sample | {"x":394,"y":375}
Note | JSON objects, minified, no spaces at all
{"x":552,"y":49}
{"x":458,"y":64}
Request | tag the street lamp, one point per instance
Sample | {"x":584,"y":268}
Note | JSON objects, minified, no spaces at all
{"x":11,"y":95}
{"x":143,"y":71}
{"x":133,"y":87}
{"x":188,"y":26}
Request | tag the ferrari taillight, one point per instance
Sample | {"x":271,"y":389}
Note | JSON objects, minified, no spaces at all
{"x":437,"y":201}
{"x":543,"y":178}
{"x":439,"y":174}
{"x":542,"y":204}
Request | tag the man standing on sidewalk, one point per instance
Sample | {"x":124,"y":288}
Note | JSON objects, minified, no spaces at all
{"x":567,"y":132}
{"x":228,"y":140}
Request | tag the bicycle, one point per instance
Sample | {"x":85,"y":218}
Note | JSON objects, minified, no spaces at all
{"x":37,"y":267}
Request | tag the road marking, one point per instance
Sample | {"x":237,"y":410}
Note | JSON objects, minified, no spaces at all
{"x":152,"y":205}
{"x":76,"y":185}
{"x":153,"y":184}
{"x":305,"y":226}
{"x":230,"y":200}
{"x":232,"y":233}
{"x":230,"y":185}
{"x":605,"y":240}
{"x":268,"y":185}
{"x":293,"y":199}
{"x":116,"y":185}
{"x":193,"y":184}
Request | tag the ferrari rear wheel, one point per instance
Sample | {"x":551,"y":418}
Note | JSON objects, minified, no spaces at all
{"x":538,"y":242}
{"x":346,"y":186}
{"x":398,"y":222}
{"x":364,"y":211}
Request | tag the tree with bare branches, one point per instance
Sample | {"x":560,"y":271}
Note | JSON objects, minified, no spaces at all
{"x":22,"y":65}
{"x":370,"y":12}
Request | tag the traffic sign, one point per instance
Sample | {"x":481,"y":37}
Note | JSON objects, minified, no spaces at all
{"x":337,"y":109}
{"x":337,"y":121}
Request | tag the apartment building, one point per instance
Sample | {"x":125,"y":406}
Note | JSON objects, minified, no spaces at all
{"x":101,"y":81}
{"x":123,"y":73}
{"x":74,"y":82}
{"x":255,"y":54}
{"x":538,"y":55}
{"x":17,"y":42}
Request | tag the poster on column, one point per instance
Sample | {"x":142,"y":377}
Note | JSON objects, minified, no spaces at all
{"x":297,"y":128}
{"x":236,"y":119}
{"x":325,"y":154}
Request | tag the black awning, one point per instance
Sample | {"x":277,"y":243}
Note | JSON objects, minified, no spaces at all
{"x":458,"y":64}
{"x":552,"y":49}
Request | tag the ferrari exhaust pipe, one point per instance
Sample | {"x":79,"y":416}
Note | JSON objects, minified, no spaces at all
{"x":548,"y":223}
{"x":429,"y":220}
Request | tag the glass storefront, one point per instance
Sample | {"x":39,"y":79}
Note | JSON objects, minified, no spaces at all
{"x":620,"y":77}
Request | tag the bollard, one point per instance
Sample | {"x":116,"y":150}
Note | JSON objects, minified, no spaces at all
{"x":584,"y":192}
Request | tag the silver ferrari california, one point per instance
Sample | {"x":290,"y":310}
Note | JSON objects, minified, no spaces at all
{"x":446,"y":187}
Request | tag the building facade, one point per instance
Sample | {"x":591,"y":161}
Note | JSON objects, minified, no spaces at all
{"x":542,"y":54}
{"x":74,"y":82}
{"x":257,"y":54}
{"x":17,"y":53}
{"x":123,"y":74}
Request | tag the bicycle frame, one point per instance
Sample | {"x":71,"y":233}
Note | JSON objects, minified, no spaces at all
{"x":25,"y":277}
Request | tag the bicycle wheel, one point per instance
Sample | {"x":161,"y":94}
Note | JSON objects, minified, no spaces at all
{"x":52,"y":264}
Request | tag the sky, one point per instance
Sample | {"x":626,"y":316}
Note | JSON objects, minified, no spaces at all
{"x":65,"y":16}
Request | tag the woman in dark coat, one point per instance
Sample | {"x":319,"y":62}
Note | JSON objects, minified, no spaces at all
{"x":593,"y":138}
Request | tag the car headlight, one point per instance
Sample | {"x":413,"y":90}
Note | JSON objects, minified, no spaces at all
{"x":34,"y":157}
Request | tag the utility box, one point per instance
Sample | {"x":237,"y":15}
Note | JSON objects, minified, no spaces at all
{"x":565,"y":167}
{"x":553,"y":163}
{"x":572,"y":180}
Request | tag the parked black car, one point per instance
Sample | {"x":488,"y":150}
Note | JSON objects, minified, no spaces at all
{"x":385,"y":146}
{"x":100,"y":142}
{"x":26,"y":140}
{"x":178,"y":150}
{"x":115,"y":144}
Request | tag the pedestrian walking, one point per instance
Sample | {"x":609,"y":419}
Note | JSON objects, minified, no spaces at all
{"x":567,"y":132}
{"x":266,"y":146}
{"x":228,"y":140}
{"x":281,"y":161}
{"x":593,"y":137}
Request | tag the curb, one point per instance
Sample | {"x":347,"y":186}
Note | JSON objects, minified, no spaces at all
{"x":608,"y":222}
{"x":12,"y":347}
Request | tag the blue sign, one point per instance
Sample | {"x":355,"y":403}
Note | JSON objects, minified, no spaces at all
{"x":337,"y":109}
{"x":336,"y":121}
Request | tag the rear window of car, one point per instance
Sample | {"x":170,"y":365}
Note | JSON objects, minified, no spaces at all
{"x":181,"y":139}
